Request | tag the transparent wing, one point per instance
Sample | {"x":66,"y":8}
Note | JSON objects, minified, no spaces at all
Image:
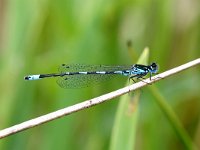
{"x":85,"y":80}
{"x":82,"y":80}
{"x":80,"y":67}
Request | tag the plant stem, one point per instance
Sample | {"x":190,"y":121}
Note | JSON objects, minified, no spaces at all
{"x":89,"y":103}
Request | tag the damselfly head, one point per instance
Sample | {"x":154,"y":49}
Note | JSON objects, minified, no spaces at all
{"x":154,"y":67}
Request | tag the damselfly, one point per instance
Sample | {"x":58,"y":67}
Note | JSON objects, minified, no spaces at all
{"x":77,"y":75}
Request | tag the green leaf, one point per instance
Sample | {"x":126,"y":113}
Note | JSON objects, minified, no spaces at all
{"x":124,"y":129}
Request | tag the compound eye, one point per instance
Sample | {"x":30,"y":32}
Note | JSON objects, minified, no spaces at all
{"x":153,"y":65}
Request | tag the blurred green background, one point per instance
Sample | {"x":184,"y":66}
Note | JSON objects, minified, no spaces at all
{"x":37,"y":36}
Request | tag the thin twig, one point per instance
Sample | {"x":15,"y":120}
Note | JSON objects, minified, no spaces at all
{"x":89,"y":103}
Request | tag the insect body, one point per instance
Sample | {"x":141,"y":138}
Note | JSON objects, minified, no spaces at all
{"x":77,"y":75}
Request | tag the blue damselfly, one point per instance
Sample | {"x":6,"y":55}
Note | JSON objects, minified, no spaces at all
{"x":78,"y":75}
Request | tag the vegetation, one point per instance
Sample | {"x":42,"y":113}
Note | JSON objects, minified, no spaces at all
{"x":38,"y":36}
